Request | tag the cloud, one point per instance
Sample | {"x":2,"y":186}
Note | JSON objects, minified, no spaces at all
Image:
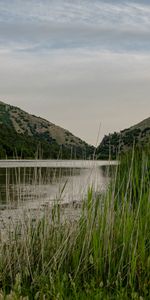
{"x":46,"y":37}
{"x":65,"y":11}
{"x":77,"y":63}
{"x":45,"y":25}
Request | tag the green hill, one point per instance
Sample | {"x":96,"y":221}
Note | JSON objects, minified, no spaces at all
{"x":27,"y":136}
{"x":117,"y":142}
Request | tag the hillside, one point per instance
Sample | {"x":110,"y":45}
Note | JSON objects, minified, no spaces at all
{"x":117,"y":142}
{"x":28,"y":136}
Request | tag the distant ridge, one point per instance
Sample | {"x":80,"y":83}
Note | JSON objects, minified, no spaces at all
{"x":28,"y":136}
{"x":124,"y":140}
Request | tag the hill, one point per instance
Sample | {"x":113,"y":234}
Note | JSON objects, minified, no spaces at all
{"x":28,"y":136}
{"x":117,"y":142}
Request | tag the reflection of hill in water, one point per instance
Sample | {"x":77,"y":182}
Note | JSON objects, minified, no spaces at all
{"x":15,"y":181}
{"x":21,"y":185}
{"x":108,"y":171}
{"x":34,"y":175}
{"x":33,"y":191}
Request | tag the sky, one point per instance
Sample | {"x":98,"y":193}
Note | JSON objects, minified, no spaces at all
{"x":81,"y":64}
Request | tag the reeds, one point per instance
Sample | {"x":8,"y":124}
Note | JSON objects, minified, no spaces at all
{"x":103,"y":255}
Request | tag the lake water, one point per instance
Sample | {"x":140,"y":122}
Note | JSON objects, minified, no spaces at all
{"x":31,"y":185}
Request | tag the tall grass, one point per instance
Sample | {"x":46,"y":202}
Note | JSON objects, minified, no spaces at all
{"x":103,"y":255}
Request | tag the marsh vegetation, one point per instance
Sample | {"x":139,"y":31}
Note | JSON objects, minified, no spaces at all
{"x":104,"y":254}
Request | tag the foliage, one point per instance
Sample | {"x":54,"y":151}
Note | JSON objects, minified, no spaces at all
{"x":17,"y":145}
{"x":32,"y":143}
{"x":114,"y":144}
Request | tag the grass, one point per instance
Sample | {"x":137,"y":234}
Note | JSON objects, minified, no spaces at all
{"x":103,"y":255}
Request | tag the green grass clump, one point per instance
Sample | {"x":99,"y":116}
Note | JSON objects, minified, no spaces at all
{"x":103,"y":255}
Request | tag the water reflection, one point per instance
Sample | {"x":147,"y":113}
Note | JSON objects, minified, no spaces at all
{"x":31,"y":191}
{"x":33,"y":186}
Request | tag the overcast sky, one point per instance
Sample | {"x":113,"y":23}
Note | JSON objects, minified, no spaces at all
{"x":80,"y":64}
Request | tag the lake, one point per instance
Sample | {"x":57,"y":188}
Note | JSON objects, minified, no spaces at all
{"x":33,"y":185}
